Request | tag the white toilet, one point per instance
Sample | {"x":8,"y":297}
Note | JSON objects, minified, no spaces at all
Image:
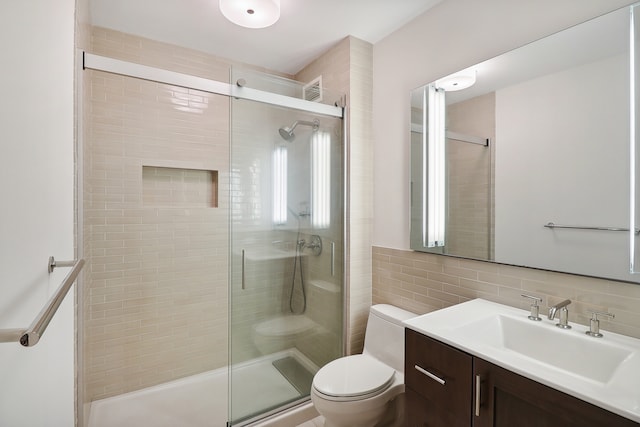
{"x":365,"y":390}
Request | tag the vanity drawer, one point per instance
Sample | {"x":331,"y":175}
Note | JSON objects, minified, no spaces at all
{"x":440,"y":374}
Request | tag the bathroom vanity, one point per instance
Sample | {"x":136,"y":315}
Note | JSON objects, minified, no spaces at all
{"x":464,"y":369}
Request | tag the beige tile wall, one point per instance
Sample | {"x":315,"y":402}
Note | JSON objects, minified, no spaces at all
{"x":469,"y":219}
{"x":348,"y":68}
{"x":162,"y":186}
{"x":155,"y":306}
{"x":157,"y":280}
{"x":425,"y":282}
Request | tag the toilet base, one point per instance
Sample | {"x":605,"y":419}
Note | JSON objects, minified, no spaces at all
{"x":390,"y":414}
{"x":370,"y":421}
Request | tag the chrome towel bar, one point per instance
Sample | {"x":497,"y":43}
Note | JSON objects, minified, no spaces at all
{"x":579,"y":227}
{"x":30,"y":336}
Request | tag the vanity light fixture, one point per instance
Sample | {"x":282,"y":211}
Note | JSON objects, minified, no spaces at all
{"x":434,"y":173}
{"x":251,"y":13}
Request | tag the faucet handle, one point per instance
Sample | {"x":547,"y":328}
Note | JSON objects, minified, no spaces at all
{"x":594,"y":323}
{"x":535,"y":308}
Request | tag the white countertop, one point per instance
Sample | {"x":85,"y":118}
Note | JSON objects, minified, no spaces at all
{"x":602,"y":371}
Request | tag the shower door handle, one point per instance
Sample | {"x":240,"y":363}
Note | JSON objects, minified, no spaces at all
{"x":333,"y":258}
{"x":242,"y":278}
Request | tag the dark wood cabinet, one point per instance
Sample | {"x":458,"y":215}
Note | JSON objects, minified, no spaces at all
{"x":441,"y":378}
{"x":509,"y":399}
{"x":441,"y":390}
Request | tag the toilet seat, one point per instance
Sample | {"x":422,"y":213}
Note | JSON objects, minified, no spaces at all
{"x":354,"y":377}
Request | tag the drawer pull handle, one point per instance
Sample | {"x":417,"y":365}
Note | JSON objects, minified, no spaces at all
{"x":478,"y":383}
{"x":429,"y":374}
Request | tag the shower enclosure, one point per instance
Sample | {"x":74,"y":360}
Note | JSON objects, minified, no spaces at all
{"x":214,"y":245}
{"x":286,"y":239}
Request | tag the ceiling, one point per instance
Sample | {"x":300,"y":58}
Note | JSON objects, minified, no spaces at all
{"x":306,"y":29}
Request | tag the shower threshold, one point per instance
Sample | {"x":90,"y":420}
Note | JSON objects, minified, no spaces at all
{"x":201,"y":400}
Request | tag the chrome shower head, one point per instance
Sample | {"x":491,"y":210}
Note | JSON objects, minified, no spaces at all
{"x":287,"y":132}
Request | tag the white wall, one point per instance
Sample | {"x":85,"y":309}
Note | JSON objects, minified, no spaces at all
{"x":36,"y":219}
{"x":576,"y":128}
{"x":453,"y":35}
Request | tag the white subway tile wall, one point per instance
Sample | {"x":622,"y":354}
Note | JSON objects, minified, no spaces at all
{"x":424,"y":282}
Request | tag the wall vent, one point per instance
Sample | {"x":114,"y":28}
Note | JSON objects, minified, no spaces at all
{"x":312,"y":91}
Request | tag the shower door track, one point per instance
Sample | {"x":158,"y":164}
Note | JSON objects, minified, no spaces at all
{"x":159,"y":75}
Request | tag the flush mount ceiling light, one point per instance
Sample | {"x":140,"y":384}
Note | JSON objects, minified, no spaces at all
{"x":251,"y":13}
{"x":457,"y":81}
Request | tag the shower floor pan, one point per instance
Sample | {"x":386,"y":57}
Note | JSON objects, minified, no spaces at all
{"x":202,"y":400}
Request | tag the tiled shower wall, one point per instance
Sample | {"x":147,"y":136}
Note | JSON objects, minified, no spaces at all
{"x":157,"y":283}
{"x":348,"y":69}
{"x":423,"y":282}
{"x":155,"y":306}
{"x":156,"y":221}
{"x":261,"y":291}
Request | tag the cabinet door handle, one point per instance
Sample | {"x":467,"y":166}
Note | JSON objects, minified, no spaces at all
{"x":478,"y":383}
{"x":429,"y":374}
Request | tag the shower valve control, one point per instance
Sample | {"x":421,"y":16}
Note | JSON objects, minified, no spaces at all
{"x":314,"y":243}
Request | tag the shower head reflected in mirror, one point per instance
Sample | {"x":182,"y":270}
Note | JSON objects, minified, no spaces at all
{"x":287,"y":132}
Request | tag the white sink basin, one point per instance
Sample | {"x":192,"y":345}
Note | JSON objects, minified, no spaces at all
{"x":581,"y":355}
{"x":603,"y":371}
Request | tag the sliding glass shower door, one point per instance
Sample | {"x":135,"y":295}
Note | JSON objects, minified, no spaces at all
{"x":286,"y":251}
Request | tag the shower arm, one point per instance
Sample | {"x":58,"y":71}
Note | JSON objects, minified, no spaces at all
{"x":314,"y":124}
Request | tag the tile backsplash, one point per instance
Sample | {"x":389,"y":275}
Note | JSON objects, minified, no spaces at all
{"x":423,"y":282}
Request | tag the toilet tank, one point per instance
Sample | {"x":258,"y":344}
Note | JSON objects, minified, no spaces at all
{"x":384,"y":336}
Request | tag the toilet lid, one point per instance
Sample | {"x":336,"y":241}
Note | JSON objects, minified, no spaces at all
{"x":351,"y":376}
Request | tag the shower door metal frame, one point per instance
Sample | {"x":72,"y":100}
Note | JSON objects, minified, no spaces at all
{"x":131,"y":69}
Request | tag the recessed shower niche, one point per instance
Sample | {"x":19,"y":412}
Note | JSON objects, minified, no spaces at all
{"x":164,"y":186}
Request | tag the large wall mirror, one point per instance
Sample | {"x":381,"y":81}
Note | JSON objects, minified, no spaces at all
{"x":524,"y":159}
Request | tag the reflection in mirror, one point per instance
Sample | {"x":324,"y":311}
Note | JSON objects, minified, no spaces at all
{"x":464,"y":163}
{"x":551,"y":126}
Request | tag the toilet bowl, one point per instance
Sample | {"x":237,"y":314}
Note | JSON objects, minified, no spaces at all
{"x":280,"y":333}
{"x":365,"y":389}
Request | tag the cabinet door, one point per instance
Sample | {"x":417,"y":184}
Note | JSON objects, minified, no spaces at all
{"x":508,"y":399}
{"x":417,"y":411}
{"x":440,"y":376}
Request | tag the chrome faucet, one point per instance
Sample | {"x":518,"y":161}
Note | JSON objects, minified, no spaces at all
{"x":535,"y":308}
{"x":564,"y":314}
{"x":594,"y":324}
